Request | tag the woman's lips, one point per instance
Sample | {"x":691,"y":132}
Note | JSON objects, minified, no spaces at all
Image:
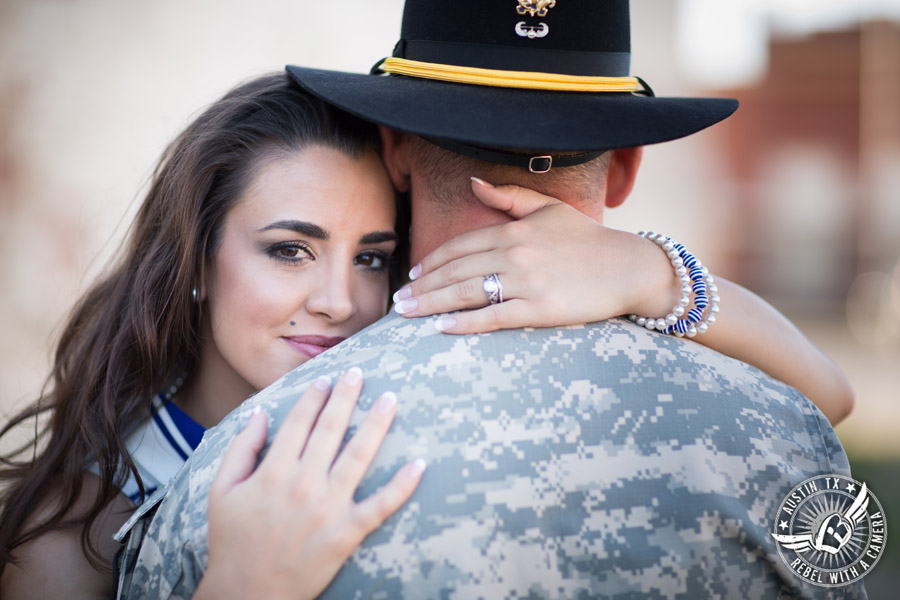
{"x":311,"y":345}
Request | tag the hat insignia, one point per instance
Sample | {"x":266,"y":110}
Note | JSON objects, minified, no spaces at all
{"x":532,"y":31}
{"x":535,"y":8}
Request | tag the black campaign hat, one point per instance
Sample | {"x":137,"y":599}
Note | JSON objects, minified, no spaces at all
{"x":530,"y":75}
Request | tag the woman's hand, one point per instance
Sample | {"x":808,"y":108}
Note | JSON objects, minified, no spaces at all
{"x":284,"y":529}
{"x":557,"y":267}
{"x":560,"y":267}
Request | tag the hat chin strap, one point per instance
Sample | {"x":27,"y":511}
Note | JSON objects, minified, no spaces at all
{"x":535,"y":163}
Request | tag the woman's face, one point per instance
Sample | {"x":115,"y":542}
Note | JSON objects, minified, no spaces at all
{"x":302,"y":264}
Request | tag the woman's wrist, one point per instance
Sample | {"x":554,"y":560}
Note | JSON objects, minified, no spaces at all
{"x":695,"y":280}
{"x":656,"y":288}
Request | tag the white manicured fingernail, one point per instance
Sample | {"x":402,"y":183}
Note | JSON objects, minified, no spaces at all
{"x":248,"y":415}
{"x":481,"y":182}
{"x":444,"y":323}
{"x":415,"y":272}
{"x":322,"y":383}
{"x":387,"y":402}
{"x":406,"y":306}
{"x":353,"y":376}
{"x":402,"y":294}
{"x":416,"y":467}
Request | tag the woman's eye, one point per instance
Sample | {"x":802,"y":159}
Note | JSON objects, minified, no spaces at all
{"x":290,"y":252}
{"x":372,"y":260}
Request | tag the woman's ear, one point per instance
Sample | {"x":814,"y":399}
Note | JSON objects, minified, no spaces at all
{"x":202,"y":283}
{"x":623,"y":168}
{"x":395,"y":153}
{"x":198,"y":292}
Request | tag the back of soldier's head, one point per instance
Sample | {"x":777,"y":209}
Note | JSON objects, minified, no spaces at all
{"x":447,"y":176}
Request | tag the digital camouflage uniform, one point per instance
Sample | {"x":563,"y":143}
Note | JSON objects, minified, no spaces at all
{"x":594,"y":461}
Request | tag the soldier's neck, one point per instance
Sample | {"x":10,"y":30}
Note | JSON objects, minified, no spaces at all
{"x":435,"y":221}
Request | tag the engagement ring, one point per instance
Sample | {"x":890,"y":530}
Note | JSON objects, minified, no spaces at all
{"x":493,"y":288}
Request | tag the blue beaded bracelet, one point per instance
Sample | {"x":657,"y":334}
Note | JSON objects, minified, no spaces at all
{"x":695,"y":279}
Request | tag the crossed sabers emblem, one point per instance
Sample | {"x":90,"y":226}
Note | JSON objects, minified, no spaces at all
{"x":837,"y":527}
{"x":535,"y":7}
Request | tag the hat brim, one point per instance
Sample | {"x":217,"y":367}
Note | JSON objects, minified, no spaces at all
{"x":513,"y":118}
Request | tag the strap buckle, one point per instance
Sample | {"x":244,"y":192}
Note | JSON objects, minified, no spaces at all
{"x":540,"y":164}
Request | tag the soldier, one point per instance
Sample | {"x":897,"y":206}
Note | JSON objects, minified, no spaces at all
{"x":606,"y":459}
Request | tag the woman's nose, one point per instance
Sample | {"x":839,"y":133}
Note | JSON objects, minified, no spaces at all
{"x":332,"y":297}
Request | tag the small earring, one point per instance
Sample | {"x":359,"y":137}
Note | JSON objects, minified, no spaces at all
{"x":194,"y":294}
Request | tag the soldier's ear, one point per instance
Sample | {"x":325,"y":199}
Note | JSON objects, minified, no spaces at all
{"x":623,"y":168}
{"x":395,"y":153}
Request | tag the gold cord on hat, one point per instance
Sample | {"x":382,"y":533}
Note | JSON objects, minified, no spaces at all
{"x":512,"y":79}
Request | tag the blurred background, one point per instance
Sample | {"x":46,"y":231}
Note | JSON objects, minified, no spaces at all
{"x":796,"y":197}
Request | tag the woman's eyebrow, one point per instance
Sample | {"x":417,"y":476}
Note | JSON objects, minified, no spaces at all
{"x":377,"y":237}
{"x":302,"y":227}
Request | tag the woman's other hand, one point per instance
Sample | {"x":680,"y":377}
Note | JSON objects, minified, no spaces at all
{"x":284,"y":529}
{"x":557,"y":267}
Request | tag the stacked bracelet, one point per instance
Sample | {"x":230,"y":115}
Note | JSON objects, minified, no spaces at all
{"x":695,"y":279}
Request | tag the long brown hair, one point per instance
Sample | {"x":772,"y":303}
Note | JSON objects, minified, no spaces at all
{"x":138,"y":326}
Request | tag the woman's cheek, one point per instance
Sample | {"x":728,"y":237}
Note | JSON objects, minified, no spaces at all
{"x":271,"y":299}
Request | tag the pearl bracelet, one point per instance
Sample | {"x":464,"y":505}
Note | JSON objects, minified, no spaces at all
{"x":695,"y":279}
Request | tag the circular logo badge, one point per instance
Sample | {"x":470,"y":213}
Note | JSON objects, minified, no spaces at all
{"x":830,"y":530}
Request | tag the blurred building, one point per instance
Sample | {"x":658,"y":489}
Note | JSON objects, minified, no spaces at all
{"x":814,"y":152}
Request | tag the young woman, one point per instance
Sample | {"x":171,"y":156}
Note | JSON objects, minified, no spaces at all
{"x":268,"y":236}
